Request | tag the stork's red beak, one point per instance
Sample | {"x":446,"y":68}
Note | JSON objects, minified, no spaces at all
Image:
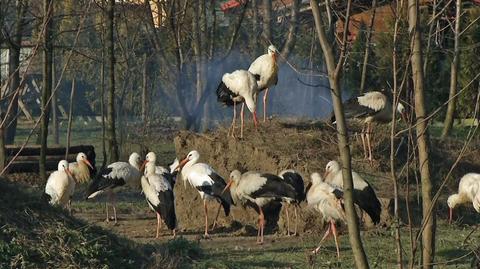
{"x":143,"y":165}
{"x":182,"y":164}
{"x":450,"y":215}
{"x":325,"y":174}
{"x":274,"y":56}
{"x":229,"y":184}
{"x":88,"y":163}
{"x":68,"y":172}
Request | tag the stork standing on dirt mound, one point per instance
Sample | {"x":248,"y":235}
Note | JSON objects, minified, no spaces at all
{"x":113,"y":176}
{"x":208,"y":183}
{"x":79,"y":169}
{"x":328,"y":200}
{"x":256,"y":190}
{"x":372,"y":107}
{"x":60,"y":186}
{"x":468,"y":191}
{"x":363,"y":194}
{"x":159,"y":194}
{"x":265,"y":70}
{"x":294,"y":179}
{"x":239,"y":86}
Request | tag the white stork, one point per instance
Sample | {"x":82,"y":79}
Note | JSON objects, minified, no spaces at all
{"x":79,"y":169}
{"x":265,"y":70}
{"x":115,"y":175}
{"x":374,"y":106}
{"x":239,"y":86}
{"x":363,"y":194}
{"x":294,"y":179}
{"x":159,"y":194}
{"x":256,"y":190}
{"x":468,"y":191}
{"x":170,"y":174}
{"x":208,"y":183}
{"x":326,"y":199}
{"x":60,"y":187}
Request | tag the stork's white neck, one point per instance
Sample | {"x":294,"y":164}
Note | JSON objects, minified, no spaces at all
{"x":134,"y":164}
{"x":187,"y":167}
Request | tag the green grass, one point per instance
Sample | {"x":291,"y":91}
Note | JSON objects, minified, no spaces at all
{"x":34,"y":234}
{"x":379,"y":244}
{"x":91,"y":134}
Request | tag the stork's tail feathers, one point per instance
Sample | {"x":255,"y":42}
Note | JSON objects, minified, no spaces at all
{"x":224,"y":95}
{"x":367,"y":200}
{"x":46,"y":197}
{"x":226,"y":201}
{"x":296,"y":181}
{"x":167,"y":209}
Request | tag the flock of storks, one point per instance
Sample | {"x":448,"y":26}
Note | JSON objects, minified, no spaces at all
{"x":250,"y":189}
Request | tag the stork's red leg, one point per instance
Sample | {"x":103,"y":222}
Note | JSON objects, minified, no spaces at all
{"x":288,"y":220}
{"x":265,"y":95}
{"x":114,"y":208}
{"x":216,"y":216}
{"x":262,"y":224}
{"x":158,"y":225}
{"x":327,"y":233}
{"x":362,"y":135}
{"x":232,"y":127}
{"x":109,"y":198}
{"x":334,"y":230}
{"x":255,"y":120}
{"x":296,"y":219}
{"x":241,"y":119}
{"x":369,"y":138}
{"x":206,"y":218}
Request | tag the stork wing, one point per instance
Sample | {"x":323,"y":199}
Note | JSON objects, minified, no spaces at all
{"x":274,"y":187}
{"x":373,"y":100}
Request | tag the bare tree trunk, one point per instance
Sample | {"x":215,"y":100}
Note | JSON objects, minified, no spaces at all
{"x":367,"y":47}
{"x":453,"y":74}
{"x":267,"y":21}
{"x":429,"y":36}
{"x":256,"y":28}
{"x":70,"y":118}
{"x":428,"y":235}
{"x":54,"y":107}
{"x":14,"y":71}
{"x":47,"y":85}
{"x":292,"y":30}
{"x":334,"y":72}
{"x":102,"y":107}
{"x":144,"y":90}
{"x":3,"y":154}
{"x":395,"y":101}
{"x":112,"y":139}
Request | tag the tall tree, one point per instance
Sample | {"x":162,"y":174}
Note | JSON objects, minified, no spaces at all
{"x":112,"y":139}
{"x":46,"y":85}
{"x":14,"y":47}
{"x":429,"y":222}
{"x":367,"y":47}
{"x":453,"y":73}
{"x":267,"y":21}
{"x":334,"y":73}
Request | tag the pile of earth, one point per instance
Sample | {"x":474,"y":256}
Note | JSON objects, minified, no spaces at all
{"x":307,"y":146}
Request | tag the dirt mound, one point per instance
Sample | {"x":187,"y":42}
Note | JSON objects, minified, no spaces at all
{"x":305,"y":147}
